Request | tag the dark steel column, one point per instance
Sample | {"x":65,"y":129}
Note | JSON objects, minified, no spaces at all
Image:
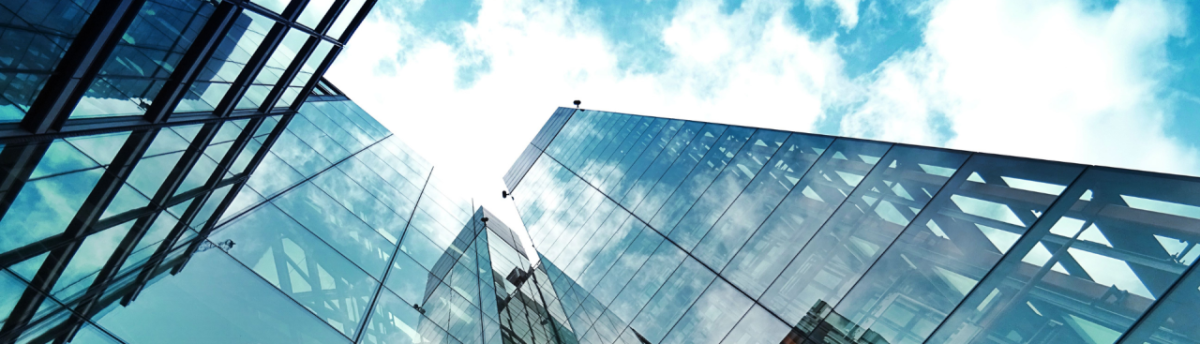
{"x":80,"y":65}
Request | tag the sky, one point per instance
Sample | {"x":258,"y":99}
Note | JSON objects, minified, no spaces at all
{"x":468,"y":83}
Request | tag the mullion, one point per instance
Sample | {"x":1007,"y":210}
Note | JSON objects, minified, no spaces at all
{"x":80,"y":65}
{"x":354,"y":23}
{"x":193,"y":62}
{"x":134,"y":236}
{"x":254,"y":65}
{"x":89,"y":213}
{"x":316,"y":78}
{"x":165,"y":192}
{"x":221,"y":169}
{"x":281,"y":19}
{"x":285,"y":79}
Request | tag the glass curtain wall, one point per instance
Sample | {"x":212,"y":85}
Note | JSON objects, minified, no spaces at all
{"x":655,"y":230}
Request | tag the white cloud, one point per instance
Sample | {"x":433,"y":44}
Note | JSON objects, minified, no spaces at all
{"x":1052,"y":79}
{"x":847,"y":10}
{"x":542,"y":54}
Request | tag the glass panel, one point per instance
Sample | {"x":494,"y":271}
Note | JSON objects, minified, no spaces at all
{"x":1085,"y":274}
{"x":150,"y":173}
{"x":61,"y":157}
{"x":1173,"y":320}
{"x":81,"y":271}
{"x":362,"y":203}
{"x":343,"y":20}
{"x":338,"y":227}
{"x":313,"y":12}
{"x":678,"y":171}
{"x":793,"y":222}
{"x":861,"y":229}
{"x":35,"y":33}
{"x":218,"y":293}
{"x":394,"y":321}
{"x":276,"y":6}
{"x":625,"y":268}
{"x":673,"y":299}
{"x":43,"y":208}
{"x":759,"y":198}
{"x":101,"y":148}
{"x":409,"y":280}
{"x":759,"y":326}
{"x":145,"y":57}
{"x":708,"y":205}
{"x":295,"y":261}
{"x":712,"y":316}
{"x":273,"y":175}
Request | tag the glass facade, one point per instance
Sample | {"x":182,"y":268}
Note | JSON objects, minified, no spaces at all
{"x":177,"y":171}
{"x":655,"y":230}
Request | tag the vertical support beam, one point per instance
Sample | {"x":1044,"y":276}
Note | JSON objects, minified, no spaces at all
{"x":19,"y":162}
{"x":93,"y":207}
{"x":290,"y":73}
{"x":80,"y":65}
{"x":358,"y":19}
{"x":317,"y":76}
{"x":259,"y":59}
{"x":193,"y":61}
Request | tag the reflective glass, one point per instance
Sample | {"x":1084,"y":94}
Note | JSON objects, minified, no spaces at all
{"x":709,"y":204}
{"x":812,"y":200}
{"x":301,"y":265}
{"x":759,"y":326}
{"x":145,"y":57}
{"x":338,"y":227}
{"x":712,"y":315}
{"x":679,"y":168}
{"x":225,"y":303}
{"x":35,"y":33}
{"x":861,"y":229}
{"x":1095,"y":262}
{"x":759,"y":198}
{"x":45,"y":206}
{"x":646,"y":282}
{"x":674,"y":298}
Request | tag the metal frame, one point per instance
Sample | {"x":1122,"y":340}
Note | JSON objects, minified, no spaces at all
{"x":49,"y":118}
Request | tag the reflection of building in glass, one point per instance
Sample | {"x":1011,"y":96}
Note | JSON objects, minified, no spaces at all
{"x":177,"y":171}
{"x":654,"y":230}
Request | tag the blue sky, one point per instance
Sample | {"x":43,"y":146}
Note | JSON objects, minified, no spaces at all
{"x":469,"y":82}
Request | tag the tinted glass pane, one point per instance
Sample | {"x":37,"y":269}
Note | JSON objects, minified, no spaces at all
{"x":862,"y":227}
{"x":338,"y":227}
{"x":1094,"y":267}
{"x":219,"y":294}
{"x":301,"y":265}
{"x":762,"y":195}
{"x":939,"y":258}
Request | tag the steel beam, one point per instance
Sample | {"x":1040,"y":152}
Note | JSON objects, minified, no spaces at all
{"x":80,"y":64}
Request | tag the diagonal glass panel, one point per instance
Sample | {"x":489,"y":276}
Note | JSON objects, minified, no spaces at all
{"x":1106,"y":260}
{"x":797,"y":218}
{"x":760,"y":197}
{"x":861,"y":229}
{"x":301,"y":265}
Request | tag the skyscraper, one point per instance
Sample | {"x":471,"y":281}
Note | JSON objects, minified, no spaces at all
{"x":656,"y":230}
{"x":178,"y":171}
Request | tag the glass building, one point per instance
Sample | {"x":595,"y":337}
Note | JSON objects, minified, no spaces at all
{"x":178,"y":171}
{"x":657,"y":230}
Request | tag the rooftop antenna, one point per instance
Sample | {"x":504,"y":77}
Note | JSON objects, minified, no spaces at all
{"x":577,"y":102}
{"x":504,"y":194}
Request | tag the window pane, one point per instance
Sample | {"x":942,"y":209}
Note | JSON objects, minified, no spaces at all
{"x":759,"y":198}
{"x":219,"y":294}
{"x":1088,"y":271}
{"x":712,"y":316}
{"x":299,"y":264}
{"x":338,"y":227}
{"x":862,"y":227}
